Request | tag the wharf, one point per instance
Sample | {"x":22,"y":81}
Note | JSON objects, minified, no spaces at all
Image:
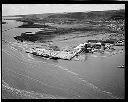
{"x":56,"y":54}
{"x":67,"y":55}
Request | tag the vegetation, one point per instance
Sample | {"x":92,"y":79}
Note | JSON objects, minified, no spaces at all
{"x":111,"y":41}
{"x":32,"y":25}
{"x":55,"y":48}
{"x":112,"y":21}
{"x":3,"y":22}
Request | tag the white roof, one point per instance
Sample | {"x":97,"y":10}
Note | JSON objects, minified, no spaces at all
{"x":99,"y":43}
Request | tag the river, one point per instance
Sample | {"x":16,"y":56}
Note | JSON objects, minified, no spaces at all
{"x":95,"y":78}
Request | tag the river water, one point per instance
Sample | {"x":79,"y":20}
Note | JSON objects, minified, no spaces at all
{"x":95,"y":78}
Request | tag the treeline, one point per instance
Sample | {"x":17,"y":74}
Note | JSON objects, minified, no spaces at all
{"x":32,"y":25}
{"x":4,"y":22}
{"x":26,"y":37}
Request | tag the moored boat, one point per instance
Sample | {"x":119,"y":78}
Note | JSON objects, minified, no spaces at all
{"x":122,"y":66}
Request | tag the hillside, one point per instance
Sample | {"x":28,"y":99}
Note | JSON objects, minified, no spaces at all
{"x":73,"y":16}
{"x":52,"y":25}
{"x":93,"y":15}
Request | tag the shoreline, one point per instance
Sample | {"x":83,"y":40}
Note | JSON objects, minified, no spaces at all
{"x":101,"y":71}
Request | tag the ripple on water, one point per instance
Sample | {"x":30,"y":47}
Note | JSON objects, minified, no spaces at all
{"x":90,"y":85}
{"x":24,"y":94}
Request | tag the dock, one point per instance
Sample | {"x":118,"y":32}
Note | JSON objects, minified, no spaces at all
{"x":56,"y":54}
{"x":66,"y":55}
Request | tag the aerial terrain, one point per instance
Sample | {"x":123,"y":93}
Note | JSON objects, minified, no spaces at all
{"x":76,"y":55}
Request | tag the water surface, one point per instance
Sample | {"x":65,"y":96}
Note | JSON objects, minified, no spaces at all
{"x":96,"y":77}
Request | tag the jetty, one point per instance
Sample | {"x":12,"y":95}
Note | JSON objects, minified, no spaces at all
{"x":66,"y":55}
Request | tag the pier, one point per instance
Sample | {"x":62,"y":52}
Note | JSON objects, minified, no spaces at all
{"x":66,"y":55}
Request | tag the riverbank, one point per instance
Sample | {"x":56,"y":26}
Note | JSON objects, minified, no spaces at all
{"x":69,"y":52}
{"x":94,"y":76}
